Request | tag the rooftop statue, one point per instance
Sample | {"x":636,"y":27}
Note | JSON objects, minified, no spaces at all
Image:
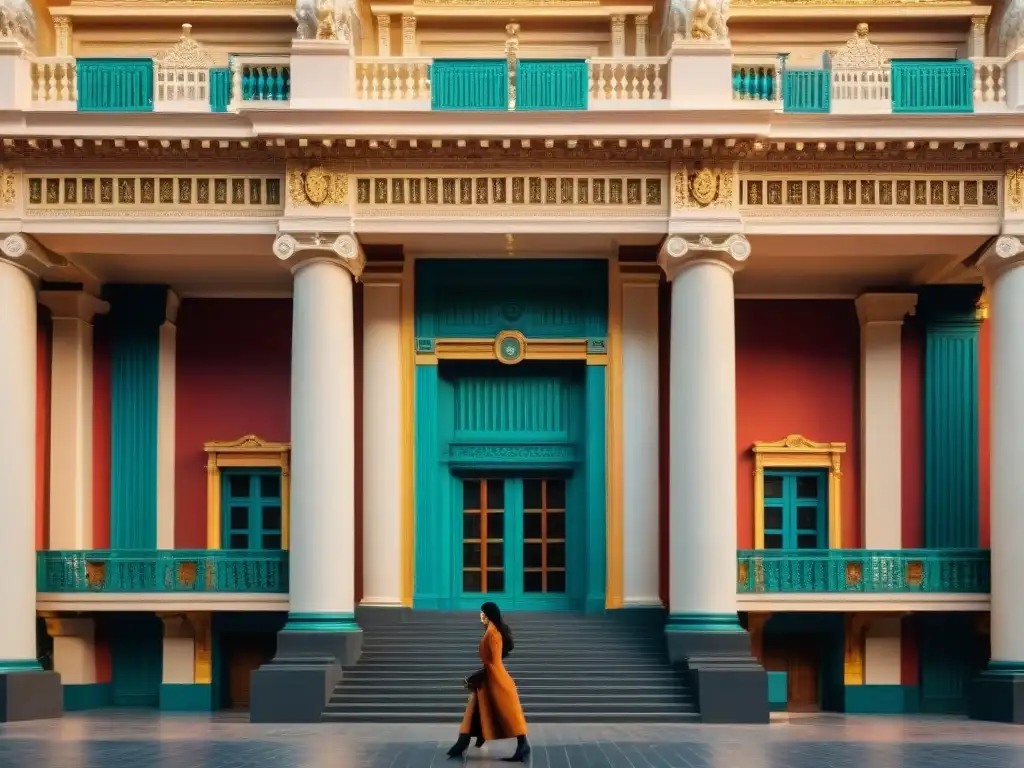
{"x":18,"y":22}
{"x":1011,"y":28}
{"x":326,"y":20}
{"x":699,"y":20}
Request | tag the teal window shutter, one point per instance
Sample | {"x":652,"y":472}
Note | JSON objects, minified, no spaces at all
{"x":935,"y":86}
{"x":806,"y":90}
{"x":251,"y":509}
{"x":552,"y":84}
{"x":220,"y":89}
{"x":115,"y":85}
{"x":795,"y":509}
{"x":469,"y":84}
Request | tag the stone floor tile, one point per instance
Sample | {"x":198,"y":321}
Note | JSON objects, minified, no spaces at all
{"x":149,"y":740}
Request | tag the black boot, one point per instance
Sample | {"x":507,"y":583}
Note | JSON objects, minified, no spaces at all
{"x":480,"y":741}
{"x":460,"y":746}
{"x":522,"y":751}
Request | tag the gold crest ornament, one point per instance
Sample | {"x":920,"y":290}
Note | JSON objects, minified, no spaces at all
{"x":704,"y":187}
{"x":317,"y":184}
{"x":1015,"y":189}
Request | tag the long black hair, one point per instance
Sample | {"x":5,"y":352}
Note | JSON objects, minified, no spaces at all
{"x":493,"y":614}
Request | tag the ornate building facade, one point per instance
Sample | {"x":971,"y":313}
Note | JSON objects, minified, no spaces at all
{"x":696,"y":327}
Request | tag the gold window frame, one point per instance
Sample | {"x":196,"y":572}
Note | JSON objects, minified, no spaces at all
{"x":248,"y":452}
{"x":797,"y":452}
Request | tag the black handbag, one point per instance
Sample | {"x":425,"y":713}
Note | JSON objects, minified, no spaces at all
{"x":476,"y":681}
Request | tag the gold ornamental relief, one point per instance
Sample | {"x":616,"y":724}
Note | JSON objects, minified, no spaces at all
{"x":1015,"y":190}
{"x":703,"y":188}
{"x":317,"y":186}
{"x":8,"y":189}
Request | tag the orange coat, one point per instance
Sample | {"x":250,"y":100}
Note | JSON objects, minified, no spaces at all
{"x":494,"y":711}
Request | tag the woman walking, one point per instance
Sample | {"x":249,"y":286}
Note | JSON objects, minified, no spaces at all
{"x":493,"y":711}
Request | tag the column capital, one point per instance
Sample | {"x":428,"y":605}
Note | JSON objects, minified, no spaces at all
{"x":680,"y":251}
{"x":26,"y":253}
{"x":885,"y":307}
{"x":299,"y":249}
{"x":73,"y":305}
{"x":1005,"y":253}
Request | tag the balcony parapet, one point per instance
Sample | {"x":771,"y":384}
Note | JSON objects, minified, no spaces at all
{"x":161,"y":571}
{"x":838,"y":571}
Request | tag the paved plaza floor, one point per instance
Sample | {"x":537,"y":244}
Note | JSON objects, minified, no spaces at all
{"x":137,"y":740}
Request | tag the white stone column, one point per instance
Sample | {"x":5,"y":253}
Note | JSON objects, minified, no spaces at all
{"x":166,"y":420}
{"x":383,"y":480}
{"x":881,"y":330}
{"x":322,"y":539}
{"x":71,"y":446}
{"x":702,"y":432}
{"x":1006,"y":294}
{"x":17,"y":457}
{"x":640,"y":433}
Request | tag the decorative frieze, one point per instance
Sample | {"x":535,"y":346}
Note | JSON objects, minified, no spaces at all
{"x":153,"y":195}
{"x":512,"y":194}
{"x":869,"y":194}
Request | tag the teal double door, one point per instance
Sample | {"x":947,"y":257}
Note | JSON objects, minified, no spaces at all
{"x":517,"y":541}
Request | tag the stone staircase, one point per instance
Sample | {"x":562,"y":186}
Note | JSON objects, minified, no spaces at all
{"x":567,"y":667}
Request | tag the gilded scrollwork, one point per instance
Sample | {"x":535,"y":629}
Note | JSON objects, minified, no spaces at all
{"x":8,"y":188}
{"x":1015,"y":190}
{"x":316,"y":186}
{"x":703,"y":188}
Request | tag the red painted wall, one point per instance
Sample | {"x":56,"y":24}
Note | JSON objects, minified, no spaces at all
{"x":984,"y":430}
{"x":912,"y":434}
{"x":233,"y":379}
{"x":44,"y":362}
{"x":797,"y":372}
{"x":101,"y":373}
{"x":909,"y":664}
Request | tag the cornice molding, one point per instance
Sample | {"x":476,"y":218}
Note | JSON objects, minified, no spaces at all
{"x":679,"y":252}
{"x":298,"y":249}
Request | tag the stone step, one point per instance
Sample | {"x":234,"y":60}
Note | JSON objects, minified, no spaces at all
{"x":375,"y":716}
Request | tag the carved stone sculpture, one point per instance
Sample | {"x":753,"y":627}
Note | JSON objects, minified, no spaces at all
{"x":1011,"y":28}
{"x":305,"y":15}
{"x":18,"y":22}
{"x":699,"y":20}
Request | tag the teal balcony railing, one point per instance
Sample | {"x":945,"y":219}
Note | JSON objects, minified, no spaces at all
{"x":115,"y":85}
{"x":266,"y":81}
{"x":166,"y":570}
{"x":753,"y":83}
{"x":552,"y":84}
{"x":773,"y":571}
{"x":806,"y":90}
{"x":469,"y":84}
{"x":932,"y":86}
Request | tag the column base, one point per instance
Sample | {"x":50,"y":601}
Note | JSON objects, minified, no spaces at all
{"x":377,"y":615}
{"x":311,"y":651}
{"x":997,"y":694}
{"x":30,"y":696}
{"x":714,"y":650}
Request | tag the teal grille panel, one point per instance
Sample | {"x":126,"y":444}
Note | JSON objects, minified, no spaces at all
{"x":169,"y":570}
{"x":806,"y":90}
{"x":959,"y":571}
{"x":469,"y":84}
{"x":220,"y":89}
{"x":115,"y":85}
{"x":932,"y":86}
{"x":552,"y":84}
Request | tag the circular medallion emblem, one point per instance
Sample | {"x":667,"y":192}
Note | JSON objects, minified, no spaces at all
{"x":318,"y":185}
{"x":510,"y":347}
